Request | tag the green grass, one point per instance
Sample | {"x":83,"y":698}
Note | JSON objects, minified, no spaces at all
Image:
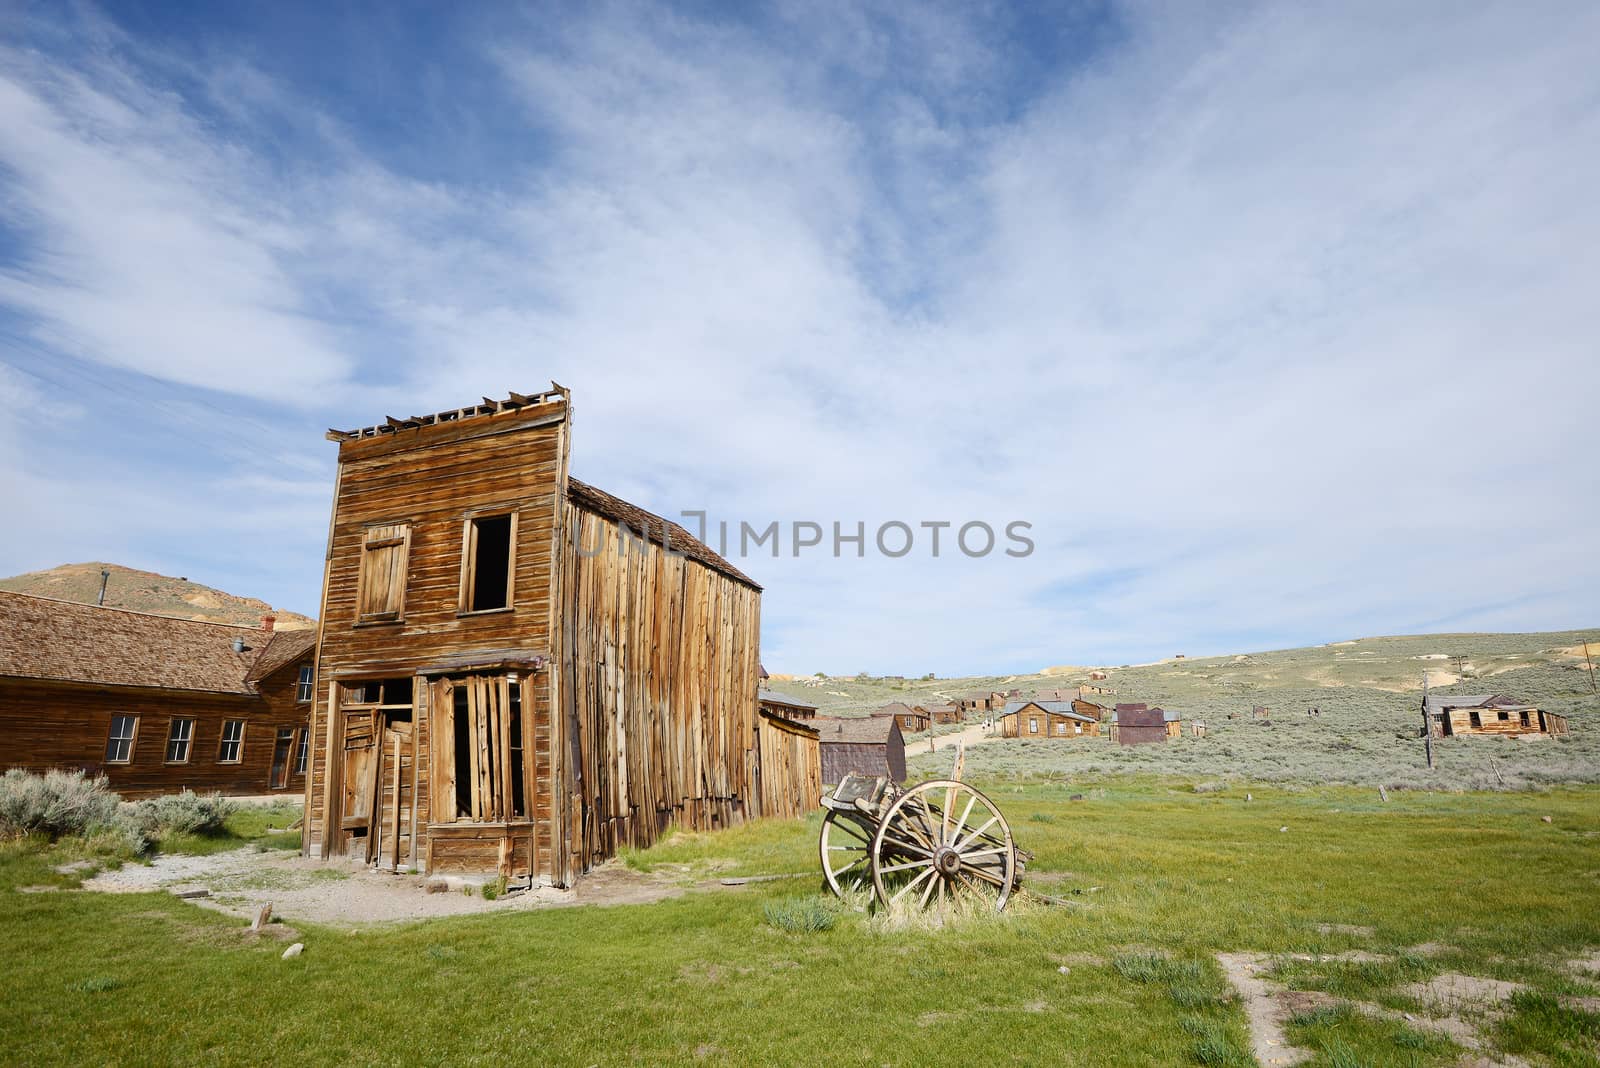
{"x":1345,"y":1038}
{"x":1124,"y":975}
{"x":1539,"y":1024}
{"x":257,"y":825}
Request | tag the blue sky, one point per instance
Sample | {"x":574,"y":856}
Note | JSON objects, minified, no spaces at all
{"x":1274,"y":322}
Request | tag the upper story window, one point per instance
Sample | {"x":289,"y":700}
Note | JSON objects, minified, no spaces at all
{"x":381,"y":585}
{"x":488,"y":562}
{"x":302,"y":686}
{"x":119,"y":741}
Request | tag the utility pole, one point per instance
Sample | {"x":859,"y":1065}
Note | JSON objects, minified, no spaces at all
{"x":105,"y":577}
{"x":1590,"y":661}
{"x":1427,"y":725}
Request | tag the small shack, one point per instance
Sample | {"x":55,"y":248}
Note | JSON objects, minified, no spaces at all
{"x":910,"y":719}
{"x":869,"y":745}
{"x":1451,"y":714}
{"x":1138,"y":724}
{"x":1098,"y":713}
{"x":1046,"y":719}
{"x":941,"y":714}
{"x":786,"y":771}
{"x":781,"y":704}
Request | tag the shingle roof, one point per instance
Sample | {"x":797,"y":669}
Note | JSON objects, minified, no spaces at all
{"x":42,"y":638}
{"x":897,"y":708}
{"x":856,"y":730}
{"x":663,"y":532}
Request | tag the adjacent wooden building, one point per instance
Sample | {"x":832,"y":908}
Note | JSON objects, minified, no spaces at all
{"x":517,"y":671}
{"x":870,"y":745}
{"x":1056,"y":720}
{"x":1139,"y":724}
{"x":1452,"y":714}
{"x":786,"y":768}
{"x":154,"y":703}
{"x":941,"y":714}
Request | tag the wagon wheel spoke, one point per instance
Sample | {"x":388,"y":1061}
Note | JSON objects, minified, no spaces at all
{"x":890,"y":868}
{"x":977,"y":833}
{"x":954,"y":836}
{"x":912,"y":884}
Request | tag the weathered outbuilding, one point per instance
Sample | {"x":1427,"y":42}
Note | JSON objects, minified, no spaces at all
{"x":518,"y":671}
{"x":1046,"y":719}
{"x":782,"y":704}
{"x":941,"y":714}
{"x":154,"y":703}
{"x":787,"y":767}
{"x":869,"y":745}
{"x":1452,"y":714}
{"x":1139,"y":724}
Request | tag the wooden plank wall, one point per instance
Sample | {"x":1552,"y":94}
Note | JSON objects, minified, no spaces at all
{"x":49,"y":724}
{"x":658,"y":666}
{"x":433,"y":478}
{"x":788,"y":768}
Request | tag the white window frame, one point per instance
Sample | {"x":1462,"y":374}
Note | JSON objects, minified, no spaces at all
{"x":302,"y":751}
{"x":173,"y":738}
{"x":305,"y":684}
{"x":237,"y":743}
{"x":1033,"y":724}
{"x":131,"y":739}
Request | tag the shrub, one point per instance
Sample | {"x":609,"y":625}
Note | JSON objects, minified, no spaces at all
{"x":800,"y":915}
{"x":185,"y":813}
{"x":56,"y":803}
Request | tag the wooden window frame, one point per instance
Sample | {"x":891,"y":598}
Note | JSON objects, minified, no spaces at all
{"x":188,"y":743}
{"x":305,"y":683}
{"x":288,"y":759}
{"x":1033,"y":724}
{"x":369,"y":544}
{"x":302,"y":751}
{"x":222,"y":741}
{"x":132,"y":739}
{"x":469,"y":557}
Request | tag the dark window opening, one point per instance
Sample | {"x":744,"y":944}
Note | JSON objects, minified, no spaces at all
{"x":385,"y":693}
{"x":491,"y":563}
{"x":1505,"y":716}
{"x":1477,"y":720}
{"x":518,"y":804}
{"x":464,"y":734}
{"x":1524,"y":717}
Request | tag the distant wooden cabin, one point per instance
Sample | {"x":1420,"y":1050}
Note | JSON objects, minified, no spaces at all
{"x":787,"y":769}
{"x":910,"y":719}
{"x":869,"y":745}
{"x":1139,"y":724}
{"x":1452,"y":714}
{"x":519,"y":672}
{"x":941,"y":714}
{"x":781,"y":704}
{"x":154,"y":703}
{"x":1097,"y":676}
{"x":1046,"y":719}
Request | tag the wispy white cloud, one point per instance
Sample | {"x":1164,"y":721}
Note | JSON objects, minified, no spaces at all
{"x":1272,"y":321}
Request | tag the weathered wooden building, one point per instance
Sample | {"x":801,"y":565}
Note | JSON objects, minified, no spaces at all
{"x":870,"y":745}
{"x":1453,"y":714}
{"x":786,"y":767}
{"x":782,"y":704}
{"x":154,"y":703}
{"x":518,"y":671}
{"x":1046,"y":719}
{"x":1098,"y":713}
{"x":911,"y":719}
{"x":941,"y":714}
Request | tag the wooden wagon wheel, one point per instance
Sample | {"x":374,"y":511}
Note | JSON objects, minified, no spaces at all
{"x":846,"y":848}
{"x":941,"y":838}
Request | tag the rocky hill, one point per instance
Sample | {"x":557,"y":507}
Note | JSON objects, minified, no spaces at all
{"x":146,"y":591}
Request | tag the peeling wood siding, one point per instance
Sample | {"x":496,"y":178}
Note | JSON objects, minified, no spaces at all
{"x":788,"y":768}
{"x":658,"y":676}
{"x":512,"y":463}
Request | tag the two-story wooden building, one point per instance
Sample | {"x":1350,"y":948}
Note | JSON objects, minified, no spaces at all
{"x":154,"y":703}
{"x":519,"y":672}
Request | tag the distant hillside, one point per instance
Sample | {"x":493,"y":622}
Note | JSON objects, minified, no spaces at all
{"x":146,"y":591}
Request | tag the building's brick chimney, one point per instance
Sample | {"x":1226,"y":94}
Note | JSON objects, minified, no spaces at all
{"x":268,"y":621}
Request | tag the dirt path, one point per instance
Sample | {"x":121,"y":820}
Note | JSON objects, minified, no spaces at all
{"x":971,"y":736}
{"x":298,"y":888}
{"x":1266,"y":1009}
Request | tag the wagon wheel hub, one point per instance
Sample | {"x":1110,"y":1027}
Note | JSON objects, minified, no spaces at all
{"x":947,"y":860}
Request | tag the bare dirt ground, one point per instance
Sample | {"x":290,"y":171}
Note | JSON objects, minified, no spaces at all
{"x":331,"y":892}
